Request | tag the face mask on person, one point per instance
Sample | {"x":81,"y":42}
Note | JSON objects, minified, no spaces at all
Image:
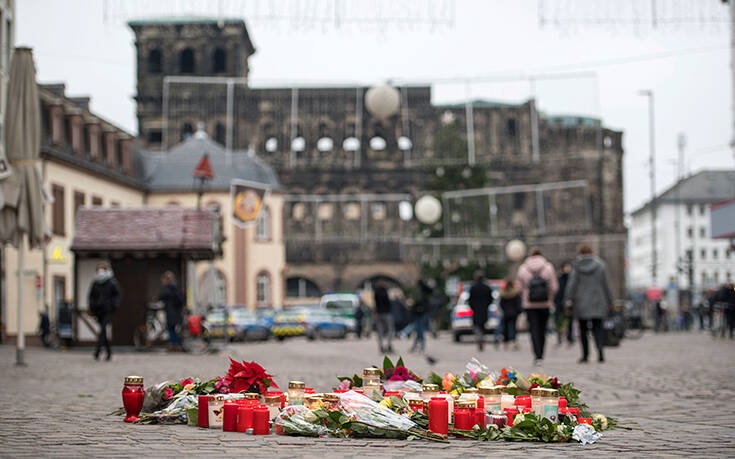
{"x":101,"y":272}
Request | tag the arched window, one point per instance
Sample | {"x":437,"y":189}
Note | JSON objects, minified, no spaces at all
{"x":302,"y":287}
{"x":219,"y":61}
{"x":154,"y":61}
{"x":186,"y":61}
{"x":220,"y":133}
{"x":263,"y":289}
{"x":263,"y":225}
{"x":212,"y":290}
{"x":186,"y":130}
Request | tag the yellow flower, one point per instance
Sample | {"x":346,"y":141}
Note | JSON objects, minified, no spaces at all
{"x":386,"y":403}
{"x":188,"y":387}
{"x":454,"y":392}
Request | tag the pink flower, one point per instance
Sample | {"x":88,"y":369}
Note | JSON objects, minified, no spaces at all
{"x":168,"y":393}
{"x":473,"y":375}
{"x":186,"y":382}
{"x":344,"y":384}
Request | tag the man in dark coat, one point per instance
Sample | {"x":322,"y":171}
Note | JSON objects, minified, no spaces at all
{"x":173,"y":301}
{"x":563,"y":318}
{"x":103,"y":301}
{"x":383,"y":317}
{"x":726,"y":296}
{"x":479,"y":301}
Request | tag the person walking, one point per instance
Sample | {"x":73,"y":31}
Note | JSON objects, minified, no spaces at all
{"x":479,"y":301}
{"x":589,"y":294}
{"x":726,"y":296}
{"x":510,"y":304}
{"x":383,"y":317}
{"x":538,"y":283}
{"x":563,"y":320}
{"x":103,"y":300}
{"x":173,"y":301}
{"x":419,"y":311}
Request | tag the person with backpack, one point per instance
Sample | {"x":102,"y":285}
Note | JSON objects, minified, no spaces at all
{"x":103,"y":301}
{"x":173,"y":301}
{"x":538,"y":284}
{"x":510,"y":304}
{"x":590,"y":296}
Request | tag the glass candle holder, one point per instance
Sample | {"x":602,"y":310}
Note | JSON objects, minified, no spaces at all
{"x":331,"y":401}
{"x":371,"y":379}
{"x":273,"y":402}
{"x":216,"y":404}
{"x":133,"y":395}
{"x":492,"y":398}
{"x":429,"y":390}
{"x":296,"y":392}
{"x":550,"y":404}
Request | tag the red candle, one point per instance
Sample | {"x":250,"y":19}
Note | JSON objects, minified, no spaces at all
{"x":562,"y":402}
{"x":133,"y":395}
{"x":261,"y":420}
{"x":480,"y":411}
{"x":463,"y":418}
{"x":510,"y":412}
{"x":229,"y":417}
{"x":585,"y":421}
{"x":499,"y":420}
{"x":523,"y":400}
{"x":309,"y":390}
{"x":392,"y":393}
{"x":244,"y":418}
{"x":340,"y":391}
{"x":439,"y":415}
{"x":203,"y":411}
{"x":573,"y":410}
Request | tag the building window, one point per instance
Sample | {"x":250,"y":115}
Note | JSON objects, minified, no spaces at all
{"x":704,"y":278}
{"x":715,"y":254}
{"x":114,"y":204}
{"x":690,"y":254}
{"x":186,"y":131}
{"x":716,"y":277}
{"x":728,"y":276}
{"x":326,"y":210}
{"x":119,"y":155}
{"x":689,"y":210}
{"x":219,"y":61}
{"x":58,"y":221}
{"x":186,"y":61}
{"x":263,"y":289}
{"x":702,"y":254}
{"x":702,"y":209}
{"x":378,"y":211}
{"x":702,"y":232}
{"x":298,"y":211}
{"x":220,"y":133}
{"x":511,"y":128}
{"x":213,"y":288}
{"x":78,"y":202}
{"x":302,"y":287}
{"x":263,"y":231}
{"x":690,"y":232}
{"x":154,"y":136}
{"x":727,"y":253}
{"x":96,"y":201}
{"x":59,"y":290}
{"x":154,"y":61}
{"x":352,"y":211}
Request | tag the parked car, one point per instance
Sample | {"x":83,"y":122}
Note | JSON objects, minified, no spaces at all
{"x":311,"y":321}
{"x":461,"y":315}
{"x":343,"y":306}
{"x":216,"y":323}
{"x":244,"y":325}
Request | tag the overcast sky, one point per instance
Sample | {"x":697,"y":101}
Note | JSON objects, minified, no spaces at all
{"x":688,"y":69}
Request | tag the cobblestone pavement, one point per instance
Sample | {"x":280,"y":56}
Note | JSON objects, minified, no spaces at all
{"x":678,"y":388}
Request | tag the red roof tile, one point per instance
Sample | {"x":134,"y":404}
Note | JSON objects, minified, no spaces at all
{"x":143,"y":229}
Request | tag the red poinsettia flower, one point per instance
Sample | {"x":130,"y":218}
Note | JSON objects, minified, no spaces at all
{"x":554,"y":383}
{"x":533,"y":386}
{"x":241,"y":377}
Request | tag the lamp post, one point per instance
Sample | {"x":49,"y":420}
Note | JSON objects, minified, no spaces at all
{"x":652,"y":174}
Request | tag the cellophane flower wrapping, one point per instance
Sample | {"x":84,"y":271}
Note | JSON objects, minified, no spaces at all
{"x":297,"y":420}
{"x":360,"y":408}
{"x":176,"y":412}
{"x":475,"y":371}
{"x":402,"y":386}
{"x":585,"y":434}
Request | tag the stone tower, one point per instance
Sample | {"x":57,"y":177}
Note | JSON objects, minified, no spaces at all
{"x":183,"y":47}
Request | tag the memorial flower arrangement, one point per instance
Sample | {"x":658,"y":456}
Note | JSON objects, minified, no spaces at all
{"x":352,"y":414}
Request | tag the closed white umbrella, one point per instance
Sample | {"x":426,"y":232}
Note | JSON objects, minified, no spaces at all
{"x":22,"y":212}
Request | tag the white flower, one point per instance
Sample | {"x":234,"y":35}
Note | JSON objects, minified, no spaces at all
{"x":519,"y":418}
{"x":601,"y":418}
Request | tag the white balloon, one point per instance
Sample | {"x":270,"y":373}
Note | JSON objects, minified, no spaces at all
{"x":271,"y":145}
{"x":428,"y":209}
{"x":404,"y":143}
{"x":405,"y":210}
{"x":377,"y":143}
{"x":515,"y":250}
{"x":382,"y":101}
{"x":325,"y":144}
{"x":351,"y":144}
{"x":298,"y":144}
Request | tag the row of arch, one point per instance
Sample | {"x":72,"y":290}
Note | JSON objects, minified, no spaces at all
{"x":186,"y":62}
{"x":303,"y":287}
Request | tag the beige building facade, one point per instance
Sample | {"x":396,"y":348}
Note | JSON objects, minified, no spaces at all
{"x":87,"y":161}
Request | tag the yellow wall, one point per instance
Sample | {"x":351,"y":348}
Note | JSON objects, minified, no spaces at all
{"x":260,"y":256}
{"x":72,"y":180}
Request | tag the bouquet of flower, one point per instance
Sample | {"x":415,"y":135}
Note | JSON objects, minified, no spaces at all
{"x":390,"y":372}
{"x":248,"y":377}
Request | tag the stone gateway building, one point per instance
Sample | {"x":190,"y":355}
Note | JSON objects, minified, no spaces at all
{"x":351,"y":178}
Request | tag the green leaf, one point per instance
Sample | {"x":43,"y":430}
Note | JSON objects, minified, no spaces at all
{"x":387,"y":363}
{"x":399,"y":363}
{"x":343,"y":420}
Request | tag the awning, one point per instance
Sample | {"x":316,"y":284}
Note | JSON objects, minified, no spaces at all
{"x":151,"y":230}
